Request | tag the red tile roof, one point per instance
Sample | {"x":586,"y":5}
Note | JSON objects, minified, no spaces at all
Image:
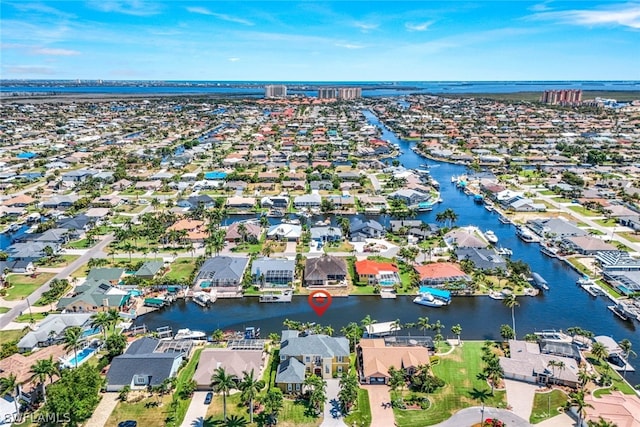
{"x":439,"y":270}
{"x":368,"y":266}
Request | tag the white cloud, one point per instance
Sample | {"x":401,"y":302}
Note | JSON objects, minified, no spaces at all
{"x":626,"y":15}
{"x":127,"y":7}
{"x":418,"y":27}
{"x":55,"y":52}
{"x":234,"y":59}
{"x":350,"y":46}
{"x":28,"y":69}
{"x":222,"y":16}
{"x":42,"y":8}
{"x":365,"y":27}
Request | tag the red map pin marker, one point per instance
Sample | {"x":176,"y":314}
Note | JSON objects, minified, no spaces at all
{"x":319,"y":301}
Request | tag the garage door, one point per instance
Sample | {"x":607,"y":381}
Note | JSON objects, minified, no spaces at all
{"x":376,"y":380}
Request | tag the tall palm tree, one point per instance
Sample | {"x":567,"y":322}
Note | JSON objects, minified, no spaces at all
{"x":626,"y":346}
{"x":242,"y":231}
{"x":222,"y":382}
{"x":511,"y":302}
{"x":250,"y":387}
{"x":599,"y":351}
{"x":114,"y":318}
{"x":101,"y":320}
{"x":367,"y":321}
{"x":576,"y":399}
{"x":10,"y":385}
{"x":72,"y":340}
{"x":457,"y":330}
{"x":423,"y":324}
{"x":42,"y":369}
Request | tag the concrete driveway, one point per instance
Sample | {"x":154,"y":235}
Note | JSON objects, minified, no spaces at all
{"x":332,"y":413}
{"x":476,"y":414}
{"x":520,"y":396}
{"x":104,"y":409}
{"x":197,"y":410}
{"x":379,"y":400}
{"x":562,"y":420}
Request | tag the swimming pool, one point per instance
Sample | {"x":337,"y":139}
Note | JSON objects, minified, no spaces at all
{"x":83,"y":355}
{"x":204,"y":285}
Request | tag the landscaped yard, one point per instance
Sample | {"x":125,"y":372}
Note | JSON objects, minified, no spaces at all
{"x":361,"y":412}
{"x":12,"y":335}
{"x":632,"y":237}
{"x":144,"y":412}
{"x":27,"y":318}
{"x":181,"y":269}
{"x":343,"y":247}
{"x":462,"y":388}
{"x":59,"y":261}
{"x":584,"y":211}
{"x":3,"y":310}
{"x":605,"y":222}
{"x":24,"y":285}
{"x":79,"y":244}
{"x":617,"y":382}
{"x":543,"y":402}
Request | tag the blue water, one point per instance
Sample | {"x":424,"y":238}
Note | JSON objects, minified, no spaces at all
{"x":565,"y":305}
{"x":369,"y":89}
{"x":7,"y":240}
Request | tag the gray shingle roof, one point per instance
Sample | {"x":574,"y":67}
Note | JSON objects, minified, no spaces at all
{"x":223,"y":268}
{"x":319,"y":345}
{"x":56,"y":323}
{"x":156,"y":366}
{"x":291,"y":371}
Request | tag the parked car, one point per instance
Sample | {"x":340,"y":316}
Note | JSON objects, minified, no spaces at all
{"x":128,"y":423}
{"x":208,"y":398}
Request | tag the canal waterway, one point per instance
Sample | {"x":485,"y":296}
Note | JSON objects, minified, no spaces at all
{"x":563,"y":306}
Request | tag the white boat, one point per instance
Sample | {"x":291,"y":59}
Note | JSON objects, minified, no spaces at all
{"x":539,"y":282}
{"x":525,"y":235}
{"x":550,"y":251}
{"x":593,"y":289}
{"x":188,"y":334}
{"x":491,"y":237}
{"x":496,"y":295}
{"x":504,"y":219}
{"x":278,"y":296}
{"x":429,"y":300}
{"x":202,"y":298}
{"x":505,"y":251}
{"x":584,"y":280}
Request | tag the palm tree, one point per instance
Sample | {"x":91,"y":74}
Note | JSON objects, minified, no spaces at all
{"x":250,"y":387}
{"x":601,"y":423}
{"x":599,"y":351}
{"x":242,"y":231}
{"x":555,"y":364}
{"x":367,"y":321}
{"x":129,"y":248}
{"x":101,"y":320}
{"x":511,"y":302}
{"x":72,"y":340}
{"x":577,"y":399}
{"x":236,"y":421}
{"x":114,"y":318}
{"x":457,"y":330}
{"x":10,"y":385}
{"x":222,"y":382}
{"x":42,"y":369}
{"x":626,"y":346}
{"x":423,"y":324}
{"x":267,"y":250}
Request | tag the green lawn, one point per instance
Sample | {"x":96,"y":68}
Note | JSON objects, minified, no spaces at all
{"x":246,"y":247}
{"x":81,"y":271}
{"x":604,"y":285}
{"x":27,"y":318}
{"x":361,"y":412}
{"x":22,"y":285}
{"x":584,"y":211}
{"x":342,"y":247}
{"x":12,"y":335}
{"x":362,"y":290}
{"x":630,"y":236}
{"x":3,"y":310}
{"x":141,"y":412}
{"x":79,"y":244}
{"x":542,"y":402}
{"x":463,"y":388}
{"x":605,"y":222}
{"x":181,"y":268}
{"x":547,"y":193}
{"x":618,"y":382}
{"x":59,"y":261}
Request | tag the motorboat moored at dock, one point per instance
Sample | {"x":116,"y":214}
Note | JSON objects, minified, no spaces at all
{"x":277,"y":296}
{"x":539,"y":282}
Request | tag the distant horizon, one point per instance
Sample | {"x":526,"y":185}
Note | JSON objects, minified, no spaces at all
{"x":387,"y":81}
{"x":329,"y":41}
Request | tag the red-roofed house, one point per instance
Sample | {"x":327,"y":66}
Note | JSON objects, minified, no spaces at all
{"x":440,"y":273}
{"x":377,"y":273}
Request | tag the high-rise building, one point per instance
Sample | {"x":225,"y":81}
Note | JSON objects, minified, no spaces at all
{"x":275,"y":91}
{"x":562,"y":97}
{"x":339,"y":93}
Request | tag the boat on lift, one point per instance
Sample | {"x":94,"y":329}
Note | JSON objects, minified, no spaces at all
{"x":491,"y":237}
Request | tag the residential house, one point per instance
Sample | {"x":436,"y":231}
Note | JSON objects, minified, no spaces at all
{"x":587,"y":245}
{"x":193,"y":202}
{"x":326,"y":270}
{"x":222,"y":273}
{"x":361,"y":230}
{"x":409,"y":197}
{"x":149,"y":270}
{"x":345,"y":201}
{"x":377,"y":273}
{"x":555,"y":228}
{"x":238,"y":202}
{"x":307,"y":201}
{"x":78,"y":175}
{"x":285,"y":232}
{"x":464,"y":238}
{"x":273,"y":272}
{"x":59,"y":202}
{"x":319,"y":355}
{"x":275,"y":202}
{"x":326,"y":234}
{"x":526,"y":363}
{"x":51,"y":330}
{"x":20,"y":201}
{"x":143,"y":365}
{"x":195,"y":229}
{"x":483,"y":258}
{"x":321,"y":185}
{"x":234,"y":362}
{"x":440,"y":273}
{"x":374,"y":358}
{"x":252,"y":233}
{"x":95,"y":295}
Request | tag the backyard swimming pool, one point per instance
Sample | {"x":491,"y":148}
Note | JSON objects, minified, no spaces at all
{"x":83,"y":355}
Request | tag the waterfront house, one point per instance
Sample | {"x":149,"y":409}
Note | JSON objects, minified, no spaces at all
{"x":318,"y":354}
{"x":195,"y":229}
{"x":193,"y":202}
{"x":307,"y":201}
{"x":222,"y":273}
{"x":144,"y":364}
{"x":464,"y":238}
{"x":361,"y":230}
{"x":326,"y":270}
{"x":285,"y":232}
{"x":238,"y":202}
{"x":374,"y":358}
{"x":234,"y":362}
{"x":59,"y":202}
{"x":440,"y":273}
{"x":527,"y":363}
{"x":555,"y":228}
{"x":252,"y":233}
{"x":409,"y":197}
{"x":277,"y":202}
{"x":149,"y":270}
{"x":377,"y":273}
{"x":93,"y":296}
{"x":482,"y":258}
{"x":587,"y":245}
{"x":326,"y":234}
{"x":273,"y":272}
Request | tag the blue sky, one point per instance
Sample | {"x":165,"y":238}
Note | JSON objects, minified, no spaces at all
{"x":320,"y":41}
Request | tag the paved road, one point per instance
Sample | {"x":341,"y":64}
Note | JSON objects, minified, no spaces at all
{"x":475,"y":414}
{"x":197,"y":411}
{"x":94,"y":252}
{"x":332,"y":413}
